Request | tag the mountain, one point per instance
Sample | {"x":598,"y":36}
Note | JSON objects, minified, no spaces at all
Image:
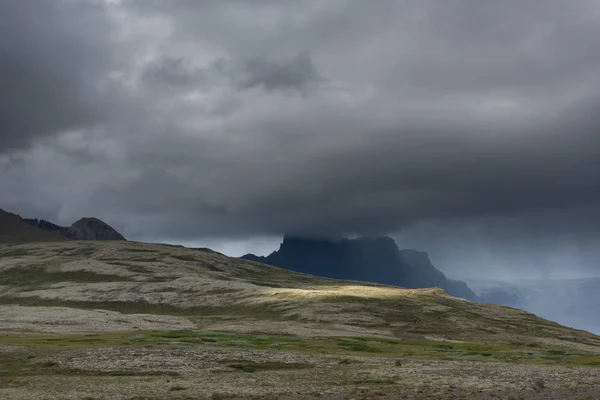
{"x":498,"y":292}
{"x":84,"y":229}
{"x":571,"y":302}
{"x":94,"y":229}
{"x":14,"y":230}
{"x":370,"y":259}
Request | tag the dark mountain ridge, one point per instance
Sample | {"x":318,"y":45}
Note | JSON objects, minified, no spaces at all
{"x":84,"y":229}
{"x":15,"y":229}
{"x":371,"y":259}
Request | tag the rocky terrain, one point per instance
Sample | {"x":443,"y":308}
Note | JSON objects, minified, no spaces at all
{"x":124,"y":320}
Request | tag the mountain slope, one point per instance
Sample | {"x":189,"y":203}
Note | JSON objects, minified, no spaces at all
{"x":84,"y":229}
{"x":366,"y":259}
{"x":14,"y":230}
{"x":230,"y":294}
{"x":572,"y":302}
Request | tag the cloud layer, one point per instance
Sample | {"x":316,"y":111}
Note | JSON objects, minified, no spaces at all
{"x":179,"y":120}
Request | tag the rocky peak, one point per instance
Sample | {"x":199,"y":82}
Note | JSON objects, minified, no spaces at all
{"x":372,"y":259}
{"x":95,"y":229}
{"x":84,"y":229}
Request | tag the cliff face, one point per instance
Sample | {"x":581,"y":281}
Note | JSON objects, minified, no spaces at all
{"x":366,"y":259}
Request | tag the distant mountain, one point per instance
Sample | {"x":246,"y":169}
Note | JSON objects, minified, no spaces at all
{"x":94,"y":229}
{"x":367,"y":259}
{"x":84,"y":229}
{"x":14,"y":230}
{"x":48,"y":226}
{"x":571,"y":302}
{"x":498,"y":292}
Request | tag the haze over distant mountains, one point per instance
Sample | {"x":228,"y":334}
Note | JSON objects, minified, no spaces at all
{"x":571,"y":302}
{"x":371,"y":259}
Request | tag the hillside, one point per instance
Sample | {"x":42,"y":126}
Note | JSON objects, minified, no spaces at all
{"x":162,"y":279}
{"x":97,"y":319}
{"x":572,"y":302}
{"x":14,"y":230}
{"x":84,"y":229}
{"x":375,"y":259}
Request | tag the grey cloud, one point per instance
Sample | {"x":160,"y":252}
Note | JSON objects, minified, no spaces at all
{"x":297,"y":73}
{"x":172,"y":72}
{"x":472,"y":116}
{"x":52,"y":56}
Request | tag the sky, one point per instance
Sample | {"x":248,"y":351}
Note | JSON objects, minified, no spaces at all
{"x":467,"y":129}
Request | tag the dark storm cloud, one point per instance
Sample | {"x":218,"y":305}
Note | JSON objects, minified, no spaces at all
{"x":298,"y":73}
{"x":52,"y":54}
{"x":172,"y":72}
{"x":242,"y":118}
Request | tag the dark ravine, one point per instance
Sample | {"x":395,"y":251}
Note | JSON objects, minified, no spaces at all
{"x":368,"y":259}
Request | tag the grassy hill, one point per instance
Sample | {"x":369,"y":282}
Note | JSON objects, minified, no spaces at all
{"x":116,"y":314}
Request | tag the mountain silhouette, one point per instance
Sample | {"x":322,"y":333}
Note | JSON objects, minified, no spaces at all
{"x":371,"y":259}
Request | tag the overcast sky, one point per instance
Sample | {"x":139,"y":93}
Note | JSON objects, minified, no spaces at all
{"x":466,"y":128}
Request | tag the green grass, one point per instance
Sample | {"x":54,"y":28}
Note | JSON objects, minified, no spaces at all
{"x":378,"y":382}
{"x":33,"y":276}
{"x":357,"y":346}
{"x":267,"y":366}
{"x":139,"y":269}
{"x":144,"y":307}
{"x":138,"y":373}
{"x":21,"y":365}
{"x":344,"y":347}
